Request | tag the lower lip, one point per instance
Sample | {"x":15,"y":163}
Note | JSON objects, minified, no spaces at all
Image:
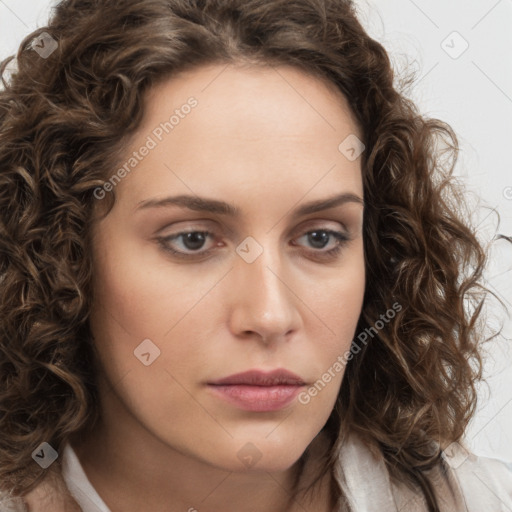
{"x":257,"y":398}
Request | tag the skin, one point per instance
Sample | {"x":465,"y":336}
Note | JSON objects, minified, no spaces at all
{"x":265,"y":140}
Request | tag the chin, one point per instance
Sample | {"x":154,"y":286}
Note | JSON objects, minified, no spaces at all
{"x":263,"y":454}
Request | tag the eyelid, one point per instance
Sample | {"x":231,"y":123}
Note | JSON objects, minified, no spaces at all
{"x":303,"y":228}
{"x":321,"y":223}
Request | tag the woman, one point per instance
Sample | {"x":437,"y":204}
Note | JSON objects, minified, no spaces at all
{"x":233,"y":270}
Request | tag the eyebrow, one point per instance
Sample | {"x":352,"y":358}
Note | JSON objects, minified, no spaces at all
{"x":203,"y":204}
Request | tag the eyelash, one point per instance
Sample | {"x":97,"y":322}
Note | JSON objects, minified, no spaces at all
{"x":341,"y":238}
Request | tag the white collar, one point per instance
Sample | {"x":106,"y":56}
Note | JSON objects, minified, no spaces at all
{"x":78,"y":483}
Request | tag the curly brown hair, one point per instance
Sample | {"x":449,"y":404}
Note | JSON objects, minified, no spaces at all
{"x":64,"y":122}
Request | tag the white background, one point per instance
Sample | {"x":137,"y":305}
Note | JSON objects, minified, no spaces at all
{"x":472,"y":92}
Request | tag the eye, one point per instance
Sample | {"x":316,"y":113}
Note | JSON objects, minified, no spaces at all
{"x":320,"y":238}
{"x":193,"y":241}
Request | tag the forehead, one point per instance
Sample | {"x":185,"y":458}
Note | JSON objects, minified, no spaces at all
{"x":254,"y":132}
{"x":266,"y":99}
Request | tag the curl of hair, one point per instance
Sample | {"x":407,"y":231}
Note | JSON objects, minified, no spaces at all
{"x":64,"y":122}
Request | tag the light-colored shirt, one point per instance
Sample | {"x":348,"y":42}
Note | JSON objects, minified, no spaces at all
{"x":469,"y":484}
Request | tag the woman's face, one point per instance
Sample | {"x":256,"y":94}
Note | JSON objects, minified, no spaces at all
{"x":257,"y":285}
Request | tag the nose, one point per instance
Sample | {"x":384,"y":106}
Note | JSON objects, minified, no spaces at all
{"x":263,"y":303}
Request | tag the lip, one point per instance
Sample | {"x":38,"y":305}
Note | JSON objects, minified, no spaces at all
{"x":257,"y":390}
{"x":261,"y":378}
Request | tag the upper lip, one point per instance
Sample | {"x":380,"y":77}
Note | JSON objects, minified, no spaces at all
{"x":261,"y":378}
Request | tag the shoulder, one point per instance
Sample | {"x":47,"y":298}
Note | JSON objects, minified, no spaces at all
{"x":483,"y":482}
{"x":463,"y":482}
{"x":50,"y":495}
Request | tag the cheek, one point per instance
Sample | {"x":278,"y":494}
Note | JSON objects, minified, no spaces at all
{"x":140,"y":296}
{"x":337,"y":307}
{"x":124,"y":308}
{"x":339,"y":300}
{"x":135,"y":287}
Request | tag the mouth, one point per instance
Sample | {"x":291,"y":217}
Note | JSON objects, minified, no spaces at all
{"x":258,"y":391}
